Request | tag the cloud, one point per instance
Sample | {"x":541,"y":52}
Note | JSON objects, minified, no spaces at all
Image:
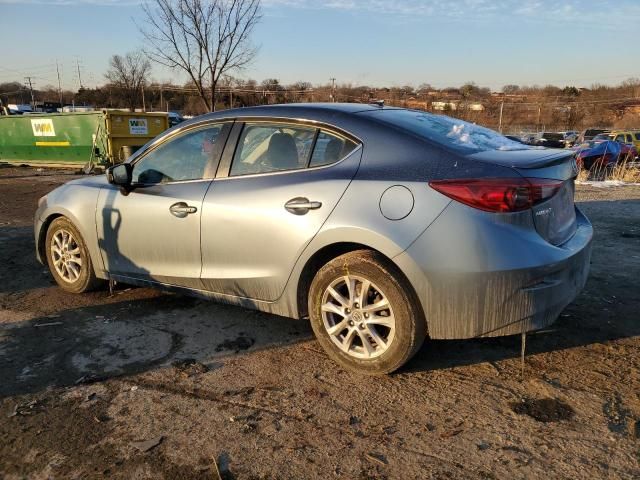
{"x":603,"y":13}
{"x":105,"y":3}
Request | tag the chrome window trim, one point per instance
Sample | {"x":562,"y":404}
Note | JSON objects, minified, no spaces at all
{"x":294,"y":170}
{"x":320,"y":126}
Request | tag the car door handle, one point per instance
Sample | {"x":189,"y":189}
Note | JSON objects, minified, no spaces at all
{"x":301,"y":205}
{"x":181,"y":209}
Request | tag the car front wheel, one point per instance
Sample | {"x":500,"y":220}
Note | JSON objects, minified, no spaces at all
{"x":68,"y":258}
{"x":364,"y":313}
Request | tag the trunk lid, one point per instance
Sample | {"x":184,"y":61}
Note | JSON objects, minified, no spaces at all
{"x":555,"y":218}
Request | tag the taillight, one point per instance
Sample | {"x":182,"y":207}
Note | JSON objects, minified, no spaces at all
{"x":499,"y":194}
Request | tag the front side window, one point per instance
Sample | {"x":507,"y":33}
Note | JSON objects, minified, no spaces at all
{"x":186,"y":157}
{"x":272,"y":147}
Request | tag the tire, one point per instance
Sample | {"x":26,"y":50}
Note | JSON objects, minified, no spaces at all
{"x":349,"y":331}
{"x":74,"y":272}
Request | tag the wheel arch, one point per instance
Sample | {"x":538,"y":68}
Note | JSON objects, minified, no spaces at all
{"x":88,"y":236}
{"x":327,"y":253}
{"x":42,"y":234}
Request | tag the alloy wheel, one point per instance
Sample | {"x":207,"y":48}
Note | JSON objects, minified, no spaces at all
{"x":358,"y":317}
{"x":66,"y":255}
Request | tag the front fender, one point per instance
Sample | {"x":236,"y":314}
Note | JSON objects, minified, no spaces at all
{"x":78,"y":204}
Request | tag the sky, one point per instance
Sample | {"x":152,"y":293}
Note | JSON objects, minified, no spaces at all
{"x":360,"y":42}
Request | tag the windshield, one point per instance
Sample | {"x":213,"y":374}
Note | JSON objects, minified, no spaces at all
{"x":446,"y":131}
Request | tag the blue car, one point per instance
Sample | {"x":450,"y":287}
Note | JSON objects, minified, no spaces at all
{"x":381,"y":226}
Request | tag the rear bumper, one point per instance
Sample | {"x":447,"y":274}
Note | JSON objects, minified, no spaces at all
{"x":476,"y":277}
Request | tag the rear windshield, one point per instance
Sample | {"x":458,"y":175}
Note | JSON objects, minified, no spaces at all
{"x":446,"y":131}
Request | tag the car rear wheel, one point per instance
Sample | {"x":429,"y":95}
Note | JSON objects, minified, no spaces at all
{"x":68,"y":258}
{"x":364,"y":313}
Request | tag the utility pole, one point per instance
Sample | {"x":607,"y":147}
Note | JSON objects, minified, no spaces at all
{"x":162,"y":99}
{"x":59,"y":85}
{"x":33,"y":101}
{"x":500,"y":121}
{"x":144,"y":107}
{"x":333,"y":89}
{"x":79,"y":78}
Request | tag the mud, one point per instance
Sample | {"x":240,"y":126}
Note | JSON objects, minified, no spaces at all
{"x":85,"y":380}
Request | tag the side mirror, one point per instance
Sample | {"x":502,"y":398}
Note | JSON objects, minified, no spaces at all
{"x":120,"y":174}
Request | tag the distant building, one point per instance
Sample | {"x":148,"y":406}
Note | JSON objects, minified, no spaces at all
{"x":442,"y":106}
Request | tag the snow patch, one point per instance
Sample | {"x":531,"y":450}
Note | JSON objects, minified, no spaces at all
{"x":606,"y":183}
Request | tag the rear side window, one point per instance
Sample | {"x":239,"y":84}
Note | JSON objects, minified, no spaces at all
{"x":446,"y":131}
{"x":270,"y":147}
{"x":330,"y":148}
{"x":638,"y":136}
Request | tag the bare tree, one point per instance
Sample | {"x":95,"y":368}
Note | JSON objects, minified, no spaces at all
{"x":129,"y":74}
{"x":206,"y":39}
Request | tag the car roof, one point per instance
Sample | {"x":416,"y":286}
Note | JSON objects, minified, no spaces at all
{"x":296,"y":109}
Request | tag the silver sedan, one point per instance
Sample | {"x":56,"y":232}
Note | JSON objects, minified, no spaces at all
{"x":382,"y":226}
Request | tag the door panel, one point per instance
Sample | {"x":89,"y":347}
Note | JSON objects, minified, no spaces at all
{"x":140,"y":237}
{"x":251,"y":240}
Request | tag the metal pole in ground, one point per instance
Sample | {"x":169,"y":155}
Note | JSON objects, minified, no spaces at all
{"x":33,"y":101}
{"x":59,"y":85}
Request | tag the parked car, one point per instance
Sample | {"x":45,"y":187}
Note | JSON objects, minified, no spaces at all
{"x":596,"y":153}
{"x":589,"y":133}
{"x":381,"y":225}
{"x":174,"y":119}
{"x":549,"y":139}
{"x":515,"y":138}
{"x":629,"y":137}
{"x":569,"y":138}
{"x":628,"y":150}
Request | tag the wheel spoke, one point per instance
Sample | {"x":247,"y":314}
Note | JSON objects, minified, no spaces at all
{"x":351,"y":286}
{"x":348,"y":340}
{"x":380,"y":320}
{"x":75,"y":271}
{"x":332,"y":308}
{"x":375,"y":307}
{"x":364,"y":290}
{"x":339,"y":327}
{"x":366,"y":343}
{"x":334,"y":293}
{"x":376,"y":336}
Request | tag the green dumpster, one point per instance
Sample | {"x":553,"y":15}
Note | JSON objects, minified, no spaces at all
{"x":102,"y":137}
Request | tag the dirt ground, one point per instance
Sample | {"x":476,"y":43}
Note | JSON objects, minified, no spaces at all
{"x":144,"y":384}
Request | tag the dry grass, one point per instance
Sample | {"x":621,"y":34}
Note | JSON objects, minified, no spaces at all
{"x":625,"y":170}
